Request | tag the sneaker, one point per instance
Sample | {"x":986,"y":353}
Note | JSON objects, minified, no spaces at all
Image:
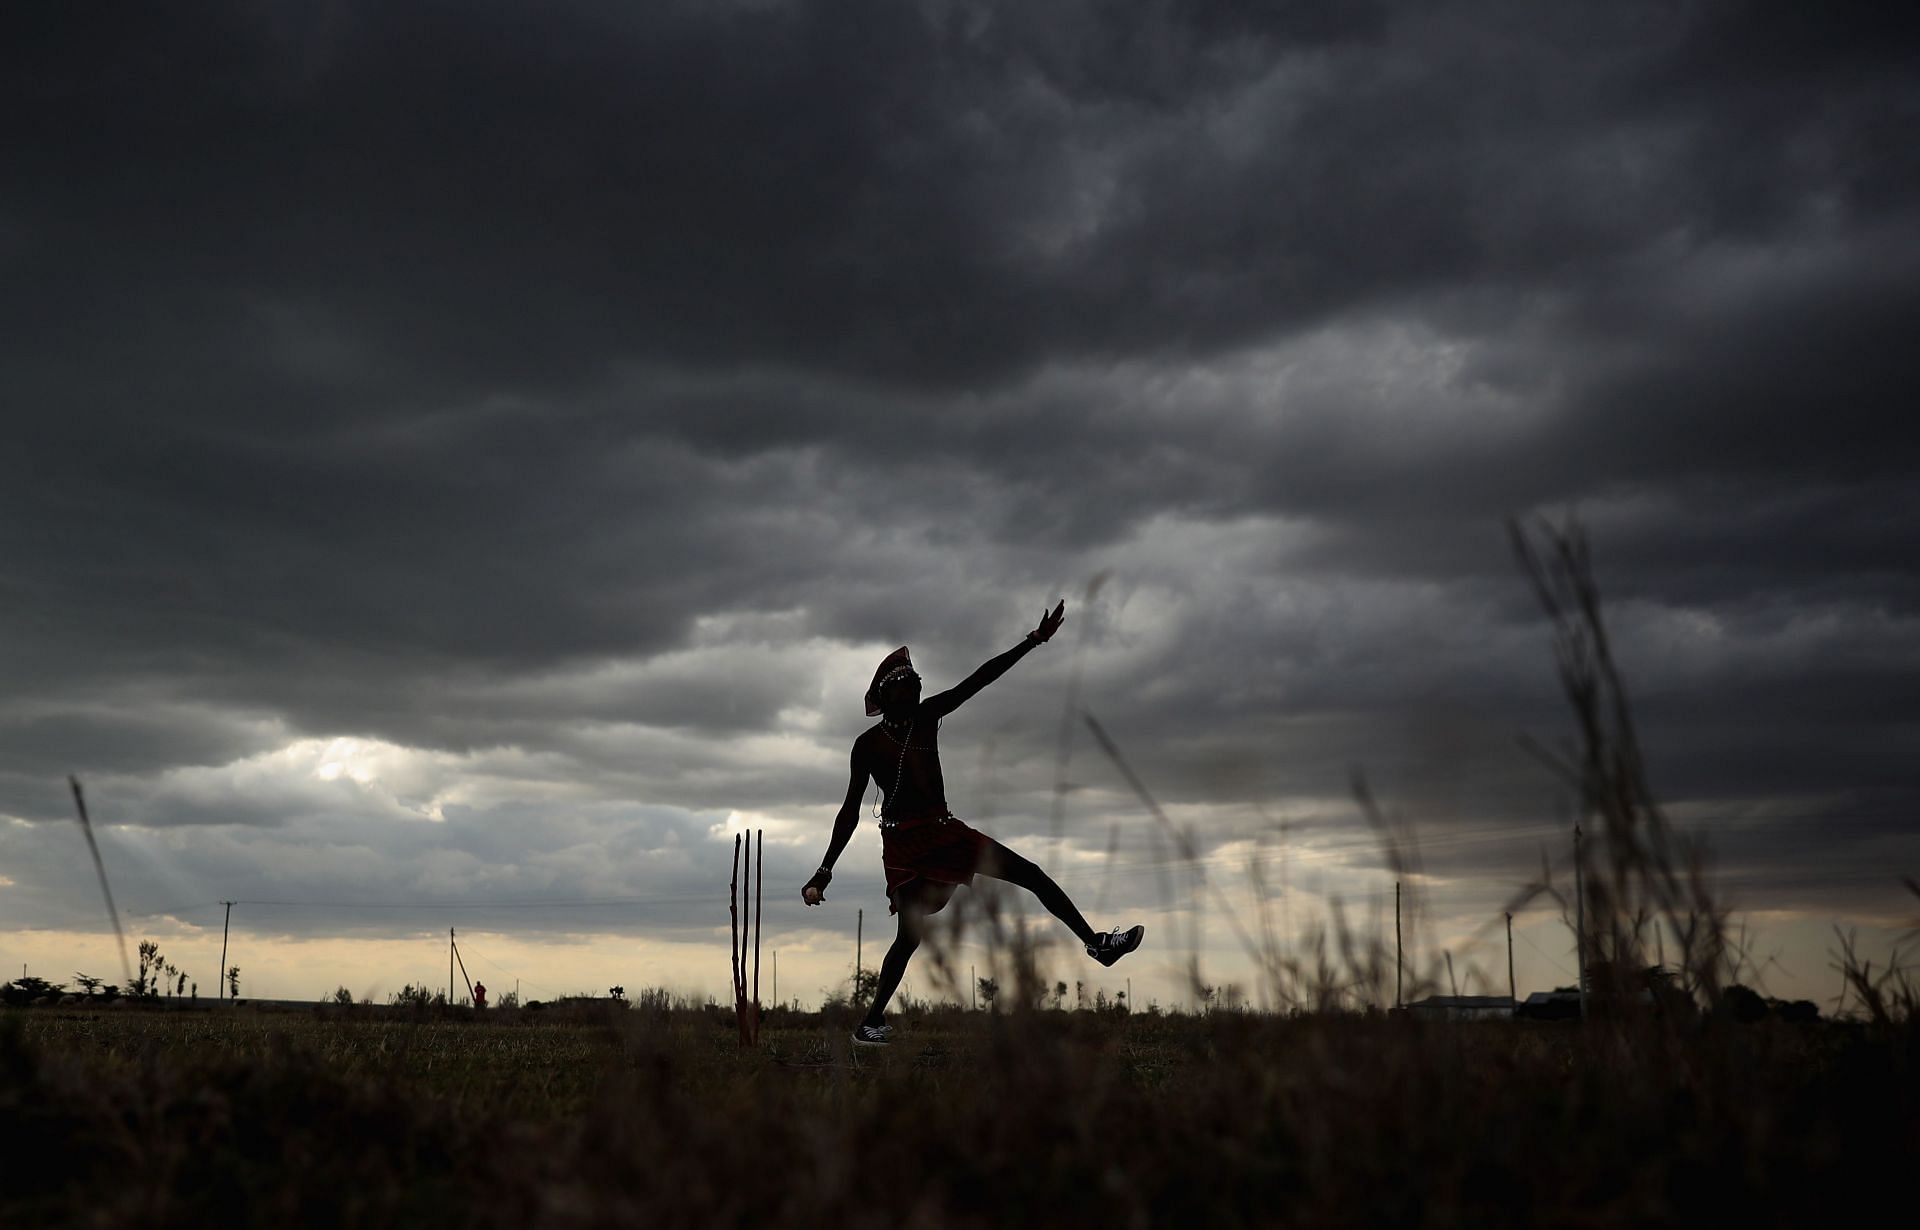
{"x":872,"y":1035}
{"x":1110,"y":946}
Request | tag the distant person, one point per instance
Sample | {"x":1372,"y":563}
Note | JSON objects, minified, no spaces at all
{"x":479,"y":995}
{"x":926,"y":850}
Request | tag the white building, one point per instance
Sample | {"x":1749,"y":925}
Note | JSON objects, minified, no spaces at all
{"x":1462,"y":1008}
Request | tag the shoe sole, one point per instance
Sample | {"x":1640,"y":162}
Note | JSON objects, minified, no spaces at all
{"x":859,"y":1041}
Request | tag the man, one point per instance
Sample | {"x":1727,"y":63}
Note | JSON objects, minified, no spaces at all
{"x":927,"y":851}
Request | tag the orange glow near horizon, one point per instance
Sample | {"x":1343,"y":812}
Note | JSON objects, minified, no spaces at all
{"x":1796,"y":951}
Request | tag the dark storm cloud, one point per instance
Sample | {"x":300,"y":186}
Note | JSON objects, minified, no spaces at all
{"x":478,"y":205}
{"x":579,"y":384}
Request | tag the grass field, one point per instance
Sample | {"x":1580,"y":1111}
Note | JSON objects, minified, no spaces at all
{"x":356,"y":1118}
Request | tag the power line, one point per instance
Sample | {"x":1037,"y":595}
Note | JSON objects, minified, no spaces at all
{"x":556,"y":903}
{"x":1327,"y":850}
{"x":175,"y":909}
{"x":1417,"y":845}
{"x":509,"y":973}
{"x":1543,"y":952}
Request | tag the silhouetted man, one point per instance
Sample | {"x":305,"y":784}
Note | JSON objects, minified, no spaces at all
{"x":926,"y":850}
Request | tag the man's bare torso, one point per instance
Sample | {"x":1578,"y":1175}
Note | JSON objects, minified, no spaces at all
{"x":906,"y":764}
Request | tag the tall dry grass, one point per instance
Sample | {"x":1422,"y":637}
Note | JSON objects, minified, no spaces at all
{"x":1650,"y":926}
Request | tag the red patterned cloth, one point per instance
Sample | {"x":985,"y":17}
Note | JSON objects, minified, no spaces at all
{"x":940,"y":850}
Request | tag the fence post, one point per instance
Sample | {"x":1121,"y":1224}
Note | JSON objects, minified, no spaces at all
{"x":1580,"y":915}
{"x":1512,"y":994}
{"x":1398,"y":963}
{"x":224,"y":927}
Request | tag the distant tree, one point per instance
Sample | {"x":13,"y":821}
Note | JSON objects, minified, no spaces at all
{"x":1059,"y":994}
{"x":418,"y":997}
{"x":658,"y":999}
{"x":27,"y":988}
{"x":618,"y":993}
{"x":233,"y":982}
{"x":196,"y":990}
{"x":180,"y":983}
{"x":146,"y":980}
{"x":1797,"y":1012}
{"x":1742,"y":1004}
{"x":989,"y":989}
{"x":87,"y":983}
{"x":510,"y":1000}
{"x":341,"y":996}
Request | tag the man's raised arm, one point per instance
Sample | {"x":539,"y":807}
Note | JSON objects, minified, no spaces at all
{"x":943,"y":703}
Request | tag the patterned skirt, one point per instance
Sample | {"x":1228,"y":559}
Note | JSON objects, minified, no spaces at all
{"x":940,"y":850}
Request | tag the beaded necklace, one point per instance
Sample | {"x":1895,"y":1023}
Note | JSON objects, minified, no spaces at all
{"x":899,"y":770}
{"x":922,"y":747}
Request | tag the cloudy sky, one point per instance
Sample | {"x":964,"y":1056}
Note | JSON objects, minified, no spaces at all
{"x":464,"y":461}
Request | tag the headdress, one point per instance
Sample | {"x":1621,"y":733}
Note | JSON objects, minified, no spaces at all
{"x":891,"y":667}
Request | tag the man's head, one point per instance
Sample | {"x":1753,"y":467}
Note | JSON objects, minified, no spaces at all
{"x":896,"y":686}
{"x":900,"y":693}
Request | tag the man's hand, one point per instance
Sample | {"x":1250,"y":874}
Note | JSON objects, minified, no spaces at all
{"x":816,"y":890}
{"x":1050,"y":622}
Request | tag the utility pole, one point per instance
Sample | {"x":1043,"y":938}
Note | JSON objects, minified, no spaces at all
{"x":464,"y":976}
{"x":859,"y":925}
{"x":449,"y":965}
{"x":734,"y":950}
{"x":1398,"y":962}
{"x":973,"y":989}
{"x":1580,"y":915}
{"x":224,"y":927}
{"x":1511,"y":993}
{"x":759,"y":882}
{"x":776,"y":977}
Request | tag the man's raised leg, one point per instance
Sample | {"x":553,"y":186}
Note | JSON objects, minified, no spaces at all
{"x":1003,"y":864}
